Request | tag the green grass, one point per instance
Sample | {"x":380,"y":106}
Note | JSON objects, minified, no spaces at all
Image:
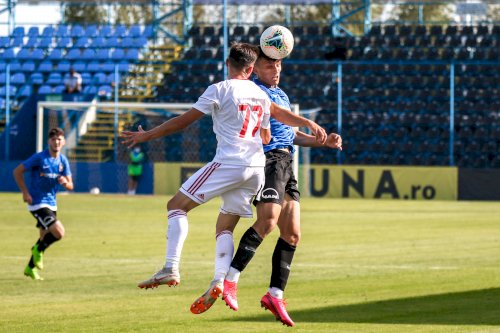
{"x":362,"y":266}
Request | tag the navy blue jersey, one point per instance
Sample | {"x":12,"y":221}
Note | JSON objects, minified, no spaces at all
{"x":45,"y":170}
{"x":281,"y":135}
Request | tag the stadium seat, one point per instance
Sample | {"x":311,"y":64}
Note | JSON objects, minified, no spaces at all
{"x":82,"y":42}
{"x":28,"y":66}
{"x":118,"y":55}
{"x":25,"y":91}
{"x":88,"y":54}
{"x":54,"y":78}
{"x":73,"y":54}
{"x":105,"y":31}
{"x":18,"y":79}
{"x":59,"y":89}
{"x":98,"y":42}
{"x":91,"y":31}
{"x":120,"y":31}
{"x":45,"y":66}
{"x":4,"y":42}
{"x":23,"y":54}
{"x":3,"y":77}
{"x":135,"y":31}
{"x":17,"y":41}
{"x":12,"y":91}
{"x":45,"y":42}
{"x":108,"y":67}
{"x":32,"y":42}
{"x":15,"y":66}
{"x":64,"y":42}
{"x":148,"y":32}
{"x":18,"y":32}
{"x":36,"y":78}
{"x":79,"y":66}
{"x":86,"y":78}
{"x":48,"y":31}
{"x":127,"y":42}
{"x":77,"y":31}
{"x":113,"y":42}
{"x":90,"y":90}
{"x":56,"y":54}
{"x":45,"y":89}
{"x":33,"y":32}
{"x":132,"y":54}
{"x":61,"y":31}
{"x":63,"y":66}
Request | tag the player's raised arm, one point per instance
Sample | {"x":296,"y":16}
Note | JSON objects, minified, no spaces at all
{"x":305,"y":140}
{"x":287,"y":117}
{"x":169,"y":127}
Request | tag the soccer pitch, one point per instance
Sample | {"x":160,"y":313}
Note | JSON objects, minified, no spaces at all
{"x":362,"y":266}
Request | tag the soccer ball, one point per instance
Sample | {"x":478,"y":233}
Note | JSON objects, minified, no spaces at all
{"x":276,"y":42}
{"x":95,"y":190}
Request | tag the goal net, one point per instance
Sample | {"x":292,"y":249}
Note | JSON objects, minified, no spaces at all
{"x":92,"y":131}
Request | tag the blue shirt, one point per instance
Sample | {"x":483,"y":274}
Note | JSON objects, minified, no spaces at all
{"x":45,"y":170}
{"x":281,"y":135}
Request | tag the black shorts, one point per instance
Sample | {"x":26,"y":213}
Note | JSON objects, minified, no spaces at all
{"x":279,"y":178}
{"x":45,"y":217}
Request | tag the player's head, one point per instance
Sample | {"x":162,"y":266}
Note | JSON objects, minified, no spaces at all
{"x":242,"y":57}
{"x":268,"y":70}
{"x":56,"y":139}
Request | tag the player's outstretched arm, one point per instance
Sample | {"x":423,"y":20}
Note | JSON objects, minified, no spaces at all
{"x":169,"y":127}
{"x":19,"y":178}
{"x":305,"y":140}
{"x":289,"y":118}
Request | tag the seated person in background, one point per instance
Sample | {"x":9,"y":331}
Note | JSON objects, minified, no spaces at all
{"x":73,"y":82}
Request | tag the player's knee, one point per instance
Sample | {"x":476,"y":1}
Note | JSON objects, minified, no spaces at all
{"x":292,"y":238}
{"x":58,"y":231}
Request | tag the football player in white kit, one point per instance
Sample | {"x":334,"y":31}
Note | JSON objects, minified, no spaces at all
{"x":240,"y":112}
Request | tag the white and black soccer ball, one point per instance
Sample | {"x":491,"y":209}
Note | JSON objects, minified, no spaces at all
{"x":276,"y":42}
{"x":95,"y":190}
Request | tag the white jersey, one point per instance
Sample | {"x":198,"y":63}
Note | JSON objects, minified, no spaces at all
{"x":239,"y":108}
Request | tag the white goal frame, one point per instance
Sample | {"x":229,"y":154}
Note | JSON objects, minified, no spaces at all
{"x":117,"y":108}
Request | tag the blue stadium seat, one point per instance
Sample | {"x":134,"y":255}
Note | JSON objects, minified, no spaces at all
{"x":132,"y":54}
{"x":25,"y":91}
{"x":17,"y":41}
{"x":3,"y":78}
{"x":102,"y":54}
{"x":12,"y":91}
{"x":45,"y":66}
{"x":113,"y":42}
{"x":118,"y":55}
{"x":4,"y":42}
{"x":123,"y":66}
{"x":32,"y":42}
{"x":3,"y":66}
{"x":127,"y":42}
{"x":77,"y":31}
{"x":62,"y":31}
{"x":120,"y":31}
{"x":36,"y":78}
{"x":140,"y":42}
{"x":37,"y":55}
{"x":91,"y":31}
{"x":48,"y":31}
{"x":134,"y":31}
{"x":59,"y":89}
{"x":28,"y":66}
{"x":90,"y":90}
{"x":54,"y":78}
{"x":45,"y":89}
{"x":18,"y":79}
{"x":64,"y":42}
{"x":108,"y":67}
{"x":79,"y":66}
{"x":99,"y":78}
{"x":105,"y":90}
{"x":45,"y":42}
{"x":73,"y":54}
{"x":86,"y":78}
{"x":98,"y":42}
{"x":15,"y":66}
{"x":82,"y":42}
{"x":24,"y":54}
{"x":148,"y":31}
{"x":93,"y":66}
{"x":105,"y":31}
{"x":88,"y":54}
{"x":110,"y":78}
{"x":33,"y":32}
{"x":18,"y":32}
{"x":63,"y":66}
{"x":55,"y":54}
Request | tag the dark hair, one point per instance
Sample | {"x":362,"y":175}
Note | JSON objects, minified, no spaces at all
{"x":56,"y":131}
{"x":242,"y":55}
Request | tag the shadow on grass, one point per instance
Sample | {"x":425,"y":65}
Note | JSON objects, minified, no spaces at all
{"x":475,"y":307}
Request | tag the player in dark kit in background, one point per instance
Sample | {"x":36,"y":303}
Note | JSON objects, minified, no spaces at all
{"x":49,"y":170}
{"x":278,"y":202}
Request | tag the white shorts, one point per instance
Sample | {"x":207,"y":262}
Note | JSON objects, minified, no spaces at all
{"x":235,"y":184}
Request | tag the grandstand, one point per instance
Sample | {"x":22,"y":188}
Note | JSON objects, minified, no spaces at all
{"x":394,"y":87}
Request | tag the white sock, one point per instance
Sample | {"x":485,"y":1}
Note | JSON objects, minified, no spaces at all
{"x":276,"y":292}
{"x":233,"y":275}
{"x":176,"y":235}
{"x":224,"y":249}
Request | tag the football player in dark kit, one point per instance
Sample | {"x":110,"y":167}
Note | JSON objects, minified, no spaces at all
{"x":278,"y":203}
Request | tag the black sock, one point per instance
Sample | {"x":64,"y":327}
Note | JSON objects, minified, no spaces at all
{"x":45,"y":242}
{"x":31,"y":264}
{"x":249,"y":243}
{"x":282,"y":260}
